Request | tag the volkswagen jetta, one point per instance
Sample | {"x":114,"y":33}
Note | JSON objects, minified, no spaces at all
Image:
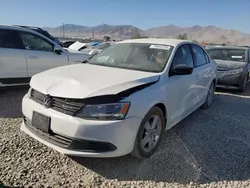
{"x":120,"y":101}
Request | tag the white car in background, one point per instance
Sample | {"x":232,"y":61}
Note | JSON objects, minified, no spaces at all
{"x":122,"y":100}
{"x":98,"y":48}
{"x":24,"y":53}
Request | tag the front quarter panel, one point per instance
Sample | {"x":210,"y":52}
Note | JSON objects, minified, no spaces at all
{"x":143,"y":100}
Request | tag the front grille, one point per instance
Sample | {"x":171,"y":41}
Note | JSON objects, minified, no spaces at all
{"x":64,"y":105}
{"x":70,"y":143}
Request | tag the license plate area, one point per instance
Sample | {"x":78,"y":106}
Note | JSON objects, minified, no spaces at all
{"x":41,"y":122}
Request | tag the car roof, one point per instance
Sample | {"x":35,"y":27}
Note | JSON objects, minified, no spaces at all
{"x":29,"y":27}
{"x":19,"y":28}
{"x":162,"y":41}
{"x":231,"y":47}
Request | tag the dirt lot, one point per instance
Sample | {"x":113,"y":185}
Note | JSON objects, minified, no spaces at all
{"x":210,"y":148}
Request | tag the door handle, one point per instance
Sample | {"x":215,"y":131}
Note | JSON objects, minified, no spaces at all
{"x":33,"y":57}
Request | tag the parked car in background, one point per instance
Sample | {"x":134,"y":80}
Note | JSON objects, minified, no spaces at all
{"x":208,"y":46}
{"x":98,"y":48}
{"x":78,"y":46}
{"x":24,"y":52}
{"x":143,"y":87}
{"x":43,"y":32}
{"x":67,"y":43}
{"x":233,"y":66}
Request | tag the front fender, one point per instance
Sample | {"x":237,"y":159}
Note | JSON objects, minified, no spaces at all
{"x":142,"y":101}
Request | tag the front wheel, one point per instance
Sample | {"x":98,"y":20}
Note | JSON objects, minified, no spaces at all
{"x":149,"y":133}
{"x":243,"y":84}
{"x":210,"y":97}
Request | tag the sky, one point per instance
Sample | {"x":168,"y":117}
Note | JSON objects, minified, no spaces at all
{"x":144,"y":14}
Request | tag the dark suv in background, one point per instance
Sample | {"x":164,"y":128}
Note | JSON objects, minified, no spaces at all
{"x":233,"y":65}
{"x":43,"y":32}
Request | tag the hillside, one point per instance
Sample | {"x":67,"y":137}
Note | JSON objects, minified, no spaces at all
{"x":115,"y":31}
{"x":208,"y":33}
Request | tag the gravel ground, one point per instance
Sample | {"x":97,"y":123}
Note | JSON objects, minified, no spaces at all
{"x":210,"y":148}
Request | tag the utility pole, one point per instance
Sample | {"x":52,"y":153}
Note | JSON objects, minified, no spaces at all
{"x":63,"y":31}
{"x":93,"y":34}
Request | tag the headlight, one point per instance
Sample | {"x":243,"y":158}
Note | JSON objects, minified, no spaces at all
{"x":236,"y":71}
{"x":112,"y":111}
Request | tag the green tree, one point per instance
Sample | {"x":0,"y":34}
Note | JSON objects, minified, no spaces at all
{"x":106,"y":38}
{"x":183,"y":36}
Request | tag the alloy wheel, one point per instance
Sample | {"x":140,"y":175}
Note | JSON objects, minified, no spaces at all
{"x":151,"y":133}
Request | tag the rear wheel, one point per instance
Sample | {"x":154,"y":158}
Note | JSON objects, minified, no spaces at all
{"x":210,"y":97}
{"x":149,"y":133}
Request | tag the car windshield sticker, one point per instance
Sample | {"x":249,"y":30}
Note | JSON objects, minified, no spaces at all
{"x":237,"y":57}
{"x":160,"y":47}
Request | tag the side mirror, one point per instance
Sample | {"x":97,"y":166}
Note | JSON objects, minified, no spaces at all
{"x":57,"y":50}
{"x":181,"y":69}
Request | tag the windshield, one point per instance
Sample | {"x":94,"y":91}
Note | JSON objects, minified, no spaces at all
{"x":228,"y":54}
{"x":134,"y":56}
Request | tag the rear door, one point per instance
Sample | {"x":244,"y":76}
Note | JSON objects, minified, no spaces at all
{"x":203,"y":71}
{"x":40,"y":53}
{"x":13,"y":68}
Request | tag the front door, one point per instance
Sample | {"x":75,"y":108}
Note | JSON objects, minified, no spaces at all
{"x":181,"y":89}
{"x":40,"y":54}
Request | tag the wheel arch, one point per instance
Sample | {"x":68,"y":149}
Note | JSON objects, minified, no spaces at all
{"x":163,"y":109}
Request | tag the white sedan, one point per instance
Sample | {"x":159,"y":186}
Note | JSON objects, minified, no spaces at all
{"x":122,"y":100}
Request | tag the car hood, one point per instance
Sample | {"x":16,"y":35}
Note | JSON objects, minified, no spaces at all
{"x":229,"y":65}
{"x":86,"y":80}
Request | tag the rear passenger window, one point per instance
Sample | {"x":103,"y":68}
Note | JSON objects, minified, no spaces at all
{"x":183,"y":55}
{"x":199,"y":55}
{"x":9,"y":39}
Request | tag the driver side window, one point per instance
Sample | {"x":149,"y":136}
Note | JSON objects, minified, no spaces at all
{"x":34,"y":42}
{"x":183,"y":55}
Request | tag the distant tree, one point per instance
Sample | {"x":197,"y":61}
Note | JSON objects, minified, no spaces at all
{"x":195,"y":41}
{"x":138,"y":36}
{"x":106,"y":38}
{"x":183,"y":36}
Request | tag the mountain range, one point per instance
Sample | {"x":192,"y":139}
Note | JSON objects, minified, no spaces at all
{"x":211,"y":34}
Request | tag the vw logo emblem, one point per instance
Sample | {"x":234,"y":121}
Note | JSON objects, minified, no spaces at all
{"x":47,"y":101}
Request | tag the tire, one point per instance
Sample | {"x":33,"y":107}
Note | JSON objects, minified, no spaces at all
{"x":210,"y":97}
{"x":2,"y":91}
{"x":244,"y":84}
{"x":153,"y":136}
